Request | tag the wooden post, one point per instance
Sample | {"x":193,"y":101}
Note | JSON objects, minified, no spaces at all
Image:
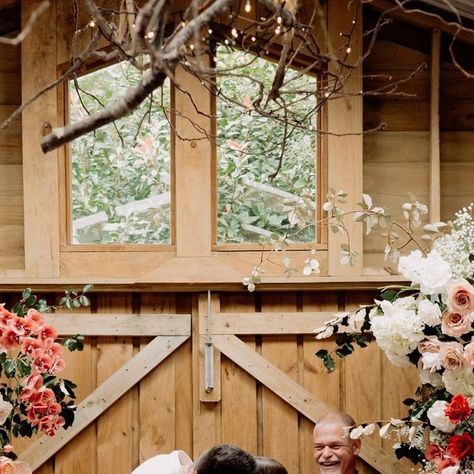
{"x":344,"y":117}
{"x":192,"y":168}
{"x":40,"y":172}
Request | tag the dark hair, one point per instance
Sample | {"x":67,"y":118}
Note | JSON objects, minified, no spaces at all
{"x":266,"y":465}
{"x":226,"y":459}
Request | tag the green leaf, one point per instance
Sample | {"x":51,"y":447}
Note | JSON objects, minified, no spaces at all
{"x":328,"y":360}
{"x":87,"y":287}
{"x":26,"y":293}
{"x":10,"y":368}
{"x":389,"y":295}
{"x":84,"y":300}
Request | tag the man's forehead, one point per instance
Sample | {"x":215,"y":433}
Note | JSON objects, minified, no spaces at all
{"x":326,"y":429}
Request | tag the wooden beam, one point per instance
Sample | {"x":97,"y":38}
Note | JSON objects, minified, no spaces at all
{"x":423,"y":20}
{"x":40,"y":172}
{"x":103,"y":397}
{"x":88,"y":324}
{"x":268,"y":323}
{"x":344,"y":116}
{"x":296,"y":396}
{"x":192,"y":168}
{"x":15,"y":280}
{"x":435,"y":171}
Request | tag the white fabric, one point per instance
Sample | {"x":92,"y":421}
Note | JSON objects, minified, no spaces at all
{"x":171,"y":463}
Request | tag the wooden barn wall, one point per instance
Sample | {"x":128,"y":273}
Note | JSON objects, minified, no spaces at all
{"x":163,"y":412}
{"x":457,"y":139}
{"x":11,"y":189}
{"x":397,"y":159}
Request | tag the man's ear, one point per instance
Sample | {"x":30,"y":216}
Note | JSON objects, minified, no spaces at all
{"x":356,"y":446}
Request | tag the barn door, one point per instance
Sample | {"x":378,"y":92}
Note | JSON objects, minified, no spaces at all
{"x":290,"y":389}
{"x":169,"y":332}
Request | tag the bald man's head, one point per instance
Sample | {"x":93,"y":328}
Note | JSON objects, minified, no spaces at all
{"x":334,"y":451}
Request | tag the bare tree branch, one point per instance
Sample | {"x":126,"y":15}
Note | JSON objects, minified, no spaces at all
{"x":26,"y":31}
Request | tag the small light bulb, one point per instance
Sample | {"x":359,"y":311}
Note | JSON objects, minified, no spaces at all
{"x":277,"y":30}
{"x":234,"y":33}
{"x":248,"y":7}
{"x":209,"y":31}
{"x":92,"y":23}
{"x":253,"y":38}
{"x":191,"y":47}
{"x":150,"y":34}
{"x":226,"y":41}
{"x":279,"y":20}
{"x":183,"y":23}
{"x":348,"y":50}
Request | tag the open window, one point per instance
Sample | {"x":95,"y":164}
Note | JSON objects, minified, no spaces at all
{"x":121,"y":173}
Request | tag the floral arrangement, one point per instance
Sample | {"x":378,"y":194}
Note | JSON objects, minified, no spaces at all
{"x":32,"y":397}
{"x":430,"y":324}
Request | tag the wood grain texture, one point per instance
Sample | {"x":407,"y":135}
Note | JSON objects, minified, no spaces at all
{"x":344,"y":117}
{"x":239,"y":389}
{"x":278,"y":416}
{"x":158,"y":391}
{"x":115,"y":432}
{"x":41,"y":206}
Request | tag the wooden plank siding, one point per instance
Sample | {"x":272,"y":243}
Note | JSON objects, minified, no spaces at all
{"x":11,"y":170}
{"x":163,"y":412}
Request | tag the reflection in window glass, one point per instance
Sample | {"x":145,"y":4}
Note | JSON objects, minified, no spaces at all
{"x":121,"y":172}
{"x":251,"y":206}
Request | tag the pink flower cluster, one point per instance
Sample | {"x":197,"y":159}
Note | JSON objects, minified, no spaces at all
{"x":457,"y":321}
{"x":34,"y":338}
{"x":42,"y":408}
{"x":458,"y":318}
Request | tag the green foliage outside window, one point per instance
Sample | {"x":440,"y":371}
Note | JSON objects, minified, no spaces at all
{"x":251,"y":206}
{"x":121,"y":172}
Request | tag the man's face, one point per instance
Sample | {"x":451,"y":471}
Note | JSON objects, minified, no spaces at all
{"x":333,"y":452}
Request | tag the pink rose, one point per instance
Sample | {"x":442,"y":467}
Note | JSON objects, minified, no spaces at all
{"x":6,"y":465}
{"x":451,"y":356}
{"x":430,"y":344}
{"x":455,"y":324}
{"x":461,"y":298}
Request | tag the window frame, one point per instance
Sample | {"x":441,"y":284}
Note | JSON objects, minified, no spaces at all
{"x":320,"y":163}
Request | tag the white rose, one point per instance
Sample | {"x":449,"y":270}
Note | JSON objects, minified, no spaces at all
{"x":429,"y":312}
{"x":435,"y":274}
{"x":438,"y":419}
{"x":461,"y":382}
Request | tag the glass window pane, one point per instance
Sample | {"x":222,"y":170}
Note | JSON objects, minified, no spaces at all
{"x":120,"y":172}
{"x":251,"y":205}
